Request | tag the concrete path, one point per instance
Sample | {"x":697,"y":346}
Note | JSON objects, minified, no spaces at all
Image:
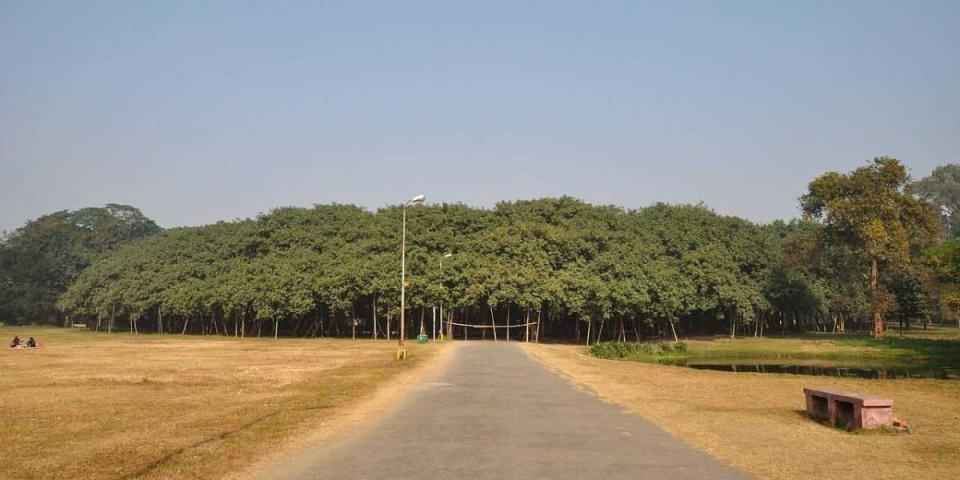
{"x":495,"y":413}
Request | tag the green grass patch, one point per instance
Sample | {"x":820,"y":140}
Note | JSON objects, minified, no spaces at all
{"x":834,"y":349}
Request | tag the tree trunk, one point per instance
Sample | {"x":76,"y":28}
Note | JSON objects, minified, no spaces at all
{"x":538,"y":324}
{"x":733,"y":326}
{"x":493,"y":322}
{"x":526,"y":321}
{"x":450,"y":324}
{"x":508,"y":323}
{"x":589,"y":327}
{"x":374,"y":318}
{"x":423,"y":316}
{"x":877,"y":315}
{"x":673,"y":329}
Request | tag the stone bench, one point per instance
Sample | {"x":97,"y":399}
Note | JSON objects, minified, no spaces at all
{"x":850,"y":409}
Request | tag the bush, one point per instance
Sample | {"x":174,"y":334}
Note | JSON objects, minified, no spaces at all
{"x":615,"y":350}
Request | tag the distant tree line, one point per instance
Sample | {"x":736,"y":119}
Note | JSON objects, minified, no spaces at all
{"x":39,"y":260}
{"x":574,"y":271}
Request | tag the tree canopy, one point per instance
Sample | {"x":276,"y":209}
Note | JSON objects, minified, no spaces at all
{"x":320,"y":270}
{"x":559,"y":266}
{"x":942,"y":189}
{"x":873,"y":209}
{"x":39,"y":260}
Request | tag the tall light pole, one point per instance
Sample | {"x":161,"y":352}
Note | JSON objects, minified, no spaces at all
{"x":402,"y":351}
{"x":446,"y":255}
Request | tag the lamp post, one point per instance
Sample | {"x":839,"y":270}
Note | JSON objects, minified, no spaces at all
{"x":446,"y":255}
{"x":402,"y":350}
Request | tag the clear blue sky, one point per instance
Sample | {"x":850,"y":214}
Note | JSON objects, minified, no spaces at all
{"x":202,"y":111}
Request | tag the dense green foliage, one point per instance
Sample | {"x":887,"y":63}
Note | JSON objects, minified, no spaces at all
{"x":594,"y":272}
{"x":322,"y":270}
{"x":944,"y":260}
{"x":942,"y":189}
{"x":569,"y":269}
{"x":623,"y":350}
{"x":873,"y":210}
{"x":39,"y":260}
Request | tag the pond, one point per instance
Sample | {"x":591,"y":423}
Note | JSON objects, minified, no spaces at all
{"x":859,"y":371}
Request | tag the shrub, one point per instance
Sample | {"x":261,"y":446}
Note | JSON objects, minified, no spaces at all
{"x":614,"y":350}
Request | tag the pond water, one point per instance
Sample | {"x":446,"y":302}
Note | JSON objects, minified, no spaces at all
{"x":859,"y":371}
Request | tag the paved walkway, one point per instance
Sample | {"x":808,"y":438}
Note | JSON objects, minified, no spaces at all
{"x":495,"y":413}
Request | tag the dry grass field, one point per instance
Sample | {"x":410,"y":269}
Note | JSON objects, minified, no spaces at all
{"x":123,"y":406}
{"x":756,"y":421}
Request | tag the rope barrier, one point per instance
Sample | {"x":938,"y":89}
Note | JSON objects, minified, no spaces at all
{"x":489,"y":326}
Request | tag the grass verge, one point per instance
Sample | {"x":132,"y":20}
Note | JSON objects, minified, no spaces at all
{"x":851,"y":349}
{"x":123,"y":406}
{"x":757,"y":422}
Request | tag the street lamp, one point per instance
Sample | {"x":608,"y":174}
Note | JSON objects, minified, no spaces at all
{"x":446,"y":255}
{"x":402,"y":351}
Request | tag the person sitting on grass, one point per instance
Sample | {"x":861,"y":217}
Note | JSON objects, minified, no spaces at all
{"x":31,"y":343}
{"x":15,"y":343}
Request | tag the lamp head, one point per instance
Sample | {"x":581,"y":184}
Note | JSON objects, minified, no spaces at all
{"x":418,"y":199}
{"x":448,"y":255}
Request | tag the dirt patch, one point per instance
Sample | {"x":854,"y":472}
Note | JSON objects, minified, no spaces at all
{"x":98,"y":406}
